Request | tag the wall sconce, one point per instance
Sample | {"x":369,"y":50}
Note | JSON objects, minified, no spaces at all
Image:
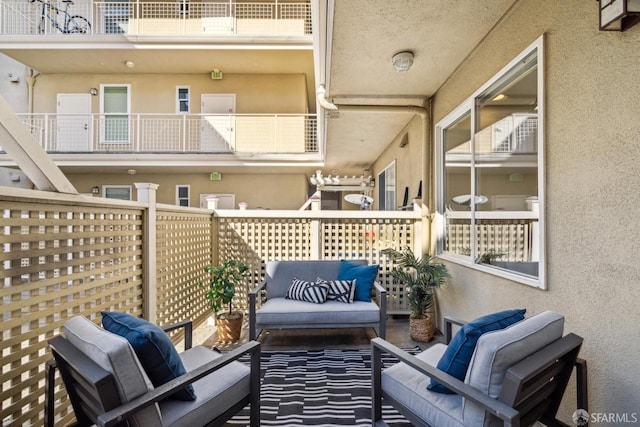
{"x":95,"y":190}
{"x":93,"y":91}
{"x":618,"y":15}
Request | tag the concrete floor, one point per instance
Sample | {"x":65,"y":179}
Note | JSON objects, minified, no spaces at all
{"x":310,"y":339}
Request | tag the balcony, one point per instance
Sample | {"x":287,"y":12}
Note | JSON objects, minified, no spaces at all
{"x":169,"y":18}
{"x":263,"y":134}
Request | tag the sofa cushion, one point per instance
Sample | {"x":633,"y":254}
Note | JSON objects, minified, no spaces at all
{"x":114,"y":353}
{"x":340,"y":290}
{"x":455,"y":361}
{"x":301,"y":290}
{"x":497,"y":351}
{"x":286,"y":313}
{"x":216,"y":393}
{"x":278,"y":274}
{"x":364,"y":275}
{"x":153,"y":346}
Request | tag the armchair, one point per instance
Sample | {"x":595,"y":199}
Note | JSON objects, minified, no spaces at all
{"x":517,"y":376}
{"x":107,"y":386}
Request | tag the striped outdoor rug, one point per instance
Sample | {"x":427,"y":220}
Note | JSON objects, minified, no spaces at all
{"x":323,"y":387}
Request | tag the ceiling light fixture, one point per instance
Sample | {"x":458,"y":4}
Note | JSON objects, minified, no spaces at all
{"x":129,"y":64}
{"x":499,"y":97}
{"x":402,"y":61}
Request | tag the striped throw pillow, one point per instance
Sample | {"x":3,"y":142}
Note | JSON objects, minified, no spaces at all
{"x":302,"y":290}
{"x":340,"y":290}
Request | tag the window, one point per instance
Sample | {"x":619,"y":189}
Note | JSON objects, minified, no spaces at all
{"x":115,"y":111}
{"x":182,"y":99}
{"x":387,"y":188}
{"x":121,"y":192}
{"x":490,"y":169}
{"x":182,"y":195}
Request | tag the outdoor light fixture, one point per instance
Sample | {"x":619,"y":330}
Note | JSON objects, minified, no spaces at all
{"x":618,"y":15}
{"x":93,"y":91}
{"x":95,"y":190}
{"x":402,"y":61}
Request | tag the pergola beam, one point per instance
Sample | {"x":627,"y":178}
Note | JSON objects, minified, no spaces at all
{"x":31,"y":158}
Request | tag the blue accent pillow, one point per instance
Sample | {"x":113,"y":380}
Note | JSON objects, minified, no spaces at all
{"x":457,"y":357}
{"x":364,"y":275}
{"x":153,"y":347}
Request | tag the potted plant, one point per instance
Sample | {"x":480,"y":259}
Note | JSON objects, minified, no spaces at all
{"x":421,"y":276}
{"x":220,"y":292}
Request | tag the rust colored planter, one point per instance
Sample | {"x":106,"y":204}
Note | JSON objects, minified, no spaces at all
{"x":421,"y":329}
{"x":229,"y":327}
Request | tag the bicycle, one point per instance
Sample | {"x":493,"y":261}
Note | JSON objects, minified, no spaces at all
{"x":72,"y":24}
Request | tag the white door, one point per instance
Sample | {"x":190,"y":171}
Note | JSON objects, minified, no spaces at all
{"x":74,"y":122}
{"x":218,"y":122}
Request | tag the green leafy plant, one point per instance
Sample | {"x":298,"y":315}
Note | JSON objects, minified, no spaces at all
{"x":420,"y":275}
{"x":221,"y":287}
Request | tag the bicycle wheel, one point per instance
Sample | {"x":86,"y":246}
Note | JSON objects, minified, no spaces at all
{"x":78,"y":24}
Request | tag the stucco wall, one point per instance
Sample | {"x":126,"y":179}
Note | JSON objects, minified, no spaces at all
{"x":156,"y":93}
{"x":269,"y":191}
{"x":592,"y":147}
{"x":409,"y":160}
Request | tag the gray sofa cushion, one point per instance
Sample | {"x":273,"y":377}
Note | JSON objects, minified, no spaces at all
{"x":286,"y":312}
{"x":215,"y":393}
{"x":279,"y":274}
{"x":410,"y":387}
{"x":114,"y":353}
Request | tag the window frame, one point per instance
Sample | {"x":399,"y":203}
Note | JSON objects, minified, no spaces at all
{"x":188,"y":88}
{"x":382,"y":190}
{"x":469,"y":106}
{"x":178,"y":198}
{"x":105,"y":116}
{"x":120,"y":187}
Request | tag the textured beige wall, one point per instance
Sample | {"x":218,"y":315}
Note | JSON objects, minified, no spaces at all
{"x":272,"y":191}
{"x":409,"y":161}
{"x":156,"y":93}
{"x":592,"y":147}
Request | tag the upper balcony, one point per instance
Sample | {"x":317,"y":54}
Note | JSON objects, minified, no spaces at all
{"x":291,"y":136}
{"x":183,"y":18}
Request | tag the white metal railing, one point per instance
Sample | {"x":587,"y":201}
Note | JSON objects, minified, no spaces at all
{"x":516,"y":133}
{"x":153,"y":18}
{"x":181,"y":133}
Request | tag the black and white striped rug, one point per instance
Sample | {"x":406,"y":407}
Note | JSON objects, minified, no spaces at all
{"x":320,"y":388}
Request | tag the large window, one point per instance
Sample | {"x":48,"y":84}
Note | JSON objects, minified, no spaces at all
{"x":115,"y":108}
{"x":490,"y":166}
{"x":387,"y":188}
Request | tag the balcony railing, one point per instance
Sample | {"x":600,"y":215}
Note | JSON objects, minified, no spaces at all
{"x":174,"y":133}
{"x":66,"y":255}
{"x":168,"y":18}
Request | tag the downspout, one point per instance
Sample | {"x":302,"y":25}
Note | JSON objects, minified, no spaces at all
{"x":427,"y":171}
{"x":31,"y":82}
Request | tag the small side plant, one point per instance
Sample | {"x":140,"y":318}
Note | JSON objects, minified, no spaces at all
{"x":221,"y":287}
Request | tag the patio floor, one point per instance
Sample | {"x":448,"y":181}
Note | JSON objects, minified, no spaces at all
{"x":310,"y":339}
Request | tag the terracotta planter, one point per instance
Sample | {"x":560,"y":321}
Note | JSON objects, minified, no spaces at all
{"x":421,"y":329}
{"x":229,"y":327}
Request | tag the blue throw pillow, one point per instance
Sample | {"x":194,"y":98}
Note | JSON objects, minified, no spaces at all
{"x":456,"y":358}
{"x":364,"y":275}
{"x":153,"y":347}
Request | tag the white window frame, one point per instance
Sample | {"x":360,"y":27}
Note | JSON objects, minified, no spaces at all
{"x":389,"y":205}
{"x":103,"y":115}
{"x":178,"y":198}
{"x":106,"y":188}
{"x":462,"y":109}
{"x":188,"y":88}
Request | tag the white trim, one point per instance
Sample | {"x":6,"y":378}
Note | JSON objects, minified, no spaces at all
{"x":178,"y":198}
{"x":468,"y":106}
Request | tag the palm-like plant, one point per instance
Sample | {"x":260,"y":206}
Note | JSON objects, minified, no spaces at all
{"x":420,"y":275}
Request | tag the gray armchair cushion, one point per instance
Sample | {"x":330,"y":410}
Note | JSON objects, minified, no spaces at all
{"x":115,"y":355}
{"x":215,"y":393}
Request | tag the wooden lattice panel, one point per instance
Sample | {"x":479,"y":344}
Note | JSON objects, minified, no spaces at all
{"x":364,"y":238}
{"x":58,"y":261}
{"x":257,"y":240}
{"x":512,"y":239}
{"x":184,"y":249}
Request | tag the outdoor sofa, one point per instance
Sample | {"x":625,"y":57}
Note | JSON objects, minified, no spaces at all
{"x":269,"y":307}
